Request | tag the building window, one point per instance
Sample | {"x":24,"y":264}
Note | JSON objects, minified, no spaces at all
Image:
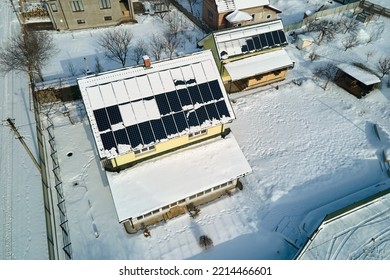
{"x":269,"y":16}
{"x":173,"y":204}
{"x":81,"y":21}
{"x":253,"y":17}
{"x":53,"y":7}
{"x":106,"y":18}
{"x":105,"y":4}
{"x":145,"y":150}
{"x":77,"y":6}
{"x":197,"y":133}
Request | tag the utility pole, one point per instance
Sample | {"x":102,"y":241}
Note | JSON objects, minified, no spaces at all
{"x":20,"y":138}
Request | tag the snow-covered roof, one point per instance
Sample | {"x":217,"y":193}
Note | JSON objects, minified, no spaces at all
{"x":238,"y":16}
{"x":258,"y":64}
{"x":136,"y":107}
{"x":359,"y":74}
{"x":231,"y":5}
{"x":249,"y":38}
{"x":350,"y":235}
{"x":159,"y":182}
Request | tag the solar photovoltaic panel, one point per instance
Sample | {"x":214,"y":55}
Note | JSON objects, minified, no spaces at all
{"x":114,"y":114}
{"x":244,"y":48}
{"x":212,"y":111}
{"x":133,"y":115}
{"x":102,"y":120}
{"x":108,"y":140}
{"x":174,"y":101}
{"x":195,"y":95}
{"x":158,"y":128}
{"x":282,"y":36}
{"x":263,"y":41}
{"x":180,"y":121}
{"x":121,"y":137}
{"x":270,"y":40}
{"x":276,"y":37}
{"x":192,"y":119}
{"x":202,"y":114}
{"x":146,"y":132}
{"x":184,"y":97}
{"x":222,"y":109}
{"x":163,"y":104}
{"x":206,"y":93}
{"x":134,"y":135}
{"x":216,"y":90}
{"x":257,"y":43}
{"x":173,"y":115}
{"x":169,"y":125}
{"x":251,"y":45}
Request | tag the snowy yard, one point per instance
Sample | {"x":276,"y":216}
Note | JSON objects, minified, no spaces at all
{"x":312,"y":152}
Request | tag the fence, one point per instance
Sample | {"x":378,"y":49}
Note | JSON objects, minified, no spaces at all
{"x":67,"y":245}
{"x":374,"y":9}
{"x":194,"y":19}
{"x":327,"y":12}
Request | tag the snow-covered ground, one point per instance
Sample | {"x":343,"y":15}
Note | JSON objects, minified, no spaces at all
{"x":312,"y":152}
{"x":22,"y":223}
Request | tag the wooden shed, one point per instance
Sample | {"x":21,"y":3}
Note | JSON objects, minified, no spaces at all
{"x":355,"y":79}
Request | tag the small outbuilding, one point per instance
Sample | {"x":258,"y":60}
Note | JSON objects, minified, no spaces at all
{"x":304,"y":41}
{"x":355,"y":80}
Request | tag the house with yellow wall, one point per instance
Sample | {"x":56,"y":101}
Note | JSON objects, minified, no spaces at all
{"x":220,"y":14}
{"x":249,"y":56}
{"x":81,"y":14}
{"x":161,"y":133}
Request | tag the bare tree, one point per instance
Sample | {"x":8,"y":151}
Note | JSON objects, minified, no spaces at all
{"x":173,"y":23}
{"x":349,"y":24}
{"x":375,"y":34}
{"x":98,"y":65}
{"x":116,"y":44}
{"x":383,"y":66}
{"x":28,"y":52}
{"x":350,"y":42}
{"x":326,"y":72}
{"x":327,"y":29}
{"x":313,"y":56}
{"x":157,"y":46}
{"x":192,"y":3}
{"x":171,"y":42}
{"x":205,"y":242}
{"x":140,"y":49}
{"x":368,"y":55}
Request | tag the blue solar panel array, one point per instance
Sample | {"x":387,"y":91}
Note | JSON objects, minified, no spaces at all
{"x":208,"y":96}
{"x":263,"y":41}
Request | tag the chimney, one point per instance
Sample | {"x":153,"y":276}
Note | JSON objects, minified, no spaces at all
{"x":147,"y":62}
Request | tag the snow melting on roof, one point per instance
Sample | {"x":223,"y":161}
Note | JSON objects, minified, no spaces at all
{"x":359,"y":74}
{"x":258,"y":64}
{"x":159,"y":182}
{"x":238,"y":16}
{"x":138,"y":107}
{"x":232,"y":41}
{"x":231,"y":5}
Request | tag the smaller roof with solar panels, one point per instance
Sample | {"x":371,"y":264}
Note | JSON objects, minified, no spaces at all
{"x":247,"y":39}
{"x":137,"y":107}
